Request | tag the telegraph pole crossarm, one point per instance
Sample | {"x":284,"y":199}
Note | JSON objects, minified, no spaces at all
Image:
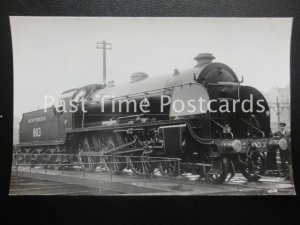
{"x":104,"y":46}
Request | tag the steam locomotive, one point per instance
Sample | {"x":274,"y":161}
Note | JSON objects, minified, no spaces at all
{"x":161,"y":117}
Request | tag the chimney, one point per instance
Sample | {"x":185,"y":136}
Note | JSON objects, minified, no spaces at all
{"x":204,"y":58}
{"x":138,"y":76}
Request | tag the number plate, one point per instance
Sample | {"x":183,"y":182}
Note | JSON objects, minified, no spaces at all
{"x":36,"y":132}
{"x":261,"y":144}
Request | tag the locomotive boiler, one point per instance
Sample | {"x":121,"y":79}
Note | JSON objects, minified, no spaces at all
{"x":202,"y":115}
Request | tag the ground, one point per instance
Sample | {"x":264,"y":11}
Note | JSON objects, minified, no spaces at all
{"x":38,"y":181}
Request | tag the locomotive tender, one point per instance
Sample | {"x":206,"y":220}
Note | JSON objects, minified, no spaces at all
{"x":214,"y":141}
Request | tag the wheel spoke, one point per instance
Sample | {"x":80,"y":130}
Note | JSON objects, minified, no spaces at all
{"x":88,"y":144}
{"x":167,"y":168}
{"x":107,"y":143}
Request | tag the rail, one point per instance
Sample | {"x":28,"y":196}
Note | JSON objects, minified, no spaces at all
{"x":95,"y":164}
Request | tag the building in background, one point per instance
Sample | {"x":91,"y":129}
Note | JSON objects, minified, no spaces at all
{"x":16,"y":130}
{"x":279,"y":103}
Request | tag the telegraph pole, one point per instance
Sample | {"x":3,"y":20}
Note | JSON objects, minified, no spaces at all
{"x":278,"y":112}
{"x":104,"y":46}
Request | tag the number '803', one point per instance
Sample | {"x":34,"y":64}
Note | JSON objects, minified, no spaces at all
{"x":36,"y":132}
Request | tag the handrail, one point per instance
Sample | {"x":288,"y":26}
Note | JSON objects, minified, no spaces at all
{"x":153,"y":90}
{"x":253,"y":127}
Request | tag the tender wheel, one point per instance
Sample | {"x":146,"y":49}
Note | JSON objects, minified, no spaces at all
{"x":34,"y":158}
{"x":57,"y":161}
{"x":218,"y":171}
{"x":20,"y":157}
{"x":47,"y":158}
{"x":71,"y":160}
{"x":27,"y":156}
{"x":256,"y":166}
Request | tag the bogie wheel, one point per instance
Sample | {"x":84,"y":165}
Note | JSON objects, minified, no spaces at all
{"x":256,"y":166}
{"x":217,"y":171}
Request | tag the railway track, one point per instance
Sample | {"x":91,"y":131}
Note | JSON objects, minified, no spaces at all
{"x":77,"y":182}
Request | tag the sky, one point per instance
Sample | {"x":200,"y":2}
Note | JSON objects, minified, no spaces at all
{"x":54,"y":54}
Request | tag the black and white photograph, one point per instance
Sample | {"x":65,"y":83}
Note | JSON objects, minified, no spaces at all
{"x":150,"y":106}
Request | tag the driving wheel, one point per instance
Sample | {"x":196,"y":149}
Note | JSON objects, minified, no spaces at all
{"x":108,"y":143}
{"x":168,"y":168}
{"x":87,"y":147}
